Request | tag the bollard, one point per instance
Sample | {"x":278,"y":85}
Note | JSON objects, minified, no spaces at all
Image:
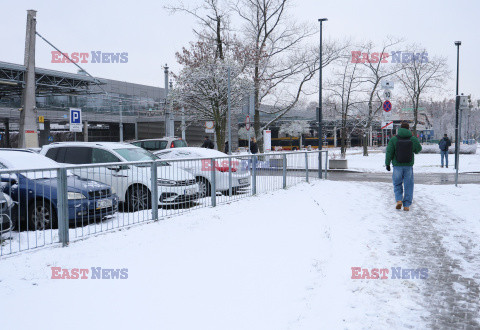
{"x":154,"y":184}
{"x":213,"y":190}
{"x":62,"y":206}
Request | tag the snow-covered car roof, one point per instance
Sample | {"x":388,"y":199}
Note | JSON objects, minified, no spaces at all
{"x":191,"y":152}
{"x":25,"y":160}
{"x":107,"y":145}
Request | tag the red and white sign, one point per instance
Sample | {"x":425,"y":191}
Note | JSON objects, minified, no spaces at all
{"x":387,"y":125}
{"x":247,"y":123}
{"x":209,"y":126}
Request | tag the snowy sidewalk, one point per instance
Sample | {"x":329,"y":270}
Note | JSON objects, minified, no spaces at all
{"x":277,"y":261}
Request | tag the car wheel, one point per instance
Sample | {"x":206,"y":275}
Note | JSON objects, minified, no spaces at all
{"x":204,"y":187}
{"x":138,"y":198}
{"x":41,"y":216}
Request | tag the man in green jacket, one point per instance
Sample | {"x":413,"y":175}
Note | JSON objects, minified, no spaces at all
{"x":400,"y":152}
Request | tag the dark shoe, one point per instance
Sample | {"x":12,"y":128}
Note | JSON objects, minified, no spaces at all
{"x":447,"y":166}
{"x":399,"y":205}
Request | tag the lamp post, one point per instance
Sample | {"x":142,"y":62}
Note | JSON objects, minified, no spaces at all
{"x":457,"y":142}
{"x":320,"y":133}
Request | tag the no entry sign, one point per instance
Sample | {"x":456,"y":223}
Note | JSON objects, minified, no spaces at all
{"x":387,"y":106}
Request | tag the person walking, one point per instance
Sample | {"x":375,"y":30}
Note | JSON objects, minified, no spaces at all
{"x":208,"y":143}
{"x":443,"y":145}
{"x":253,"y":146}
{"x":400,"y":152}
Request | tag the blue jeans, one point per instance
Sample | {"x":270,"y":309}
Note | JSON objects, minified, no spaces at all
{"x":444,"y":154}
{"x":403,"y":181}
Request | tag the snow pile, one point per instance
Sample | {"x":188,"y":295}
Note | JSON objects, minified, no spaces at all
{"x":464,"y":149}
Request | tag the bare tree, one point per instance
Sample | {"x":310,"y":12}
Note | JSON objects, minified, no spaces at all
{"x":282,"y":63}
{"x":202,"y":85}
{"x":420,"y":75}
{"x":212,"y":18}
{"x":346,"y":91}
{"x":377,"y":69}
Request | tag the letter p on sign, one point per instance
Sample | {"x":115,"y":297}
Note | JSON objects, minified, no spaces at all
{"x":75,"y":120}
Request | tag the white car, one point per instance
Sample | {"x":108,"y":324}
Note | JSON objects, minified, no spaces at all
{"x":160,"y":144}
{"x":202,"y":169}
{"x":132,"y":183}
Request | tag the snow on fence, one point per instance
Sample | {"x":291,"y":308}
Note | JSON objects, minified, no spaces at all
{"x":51,"y":206}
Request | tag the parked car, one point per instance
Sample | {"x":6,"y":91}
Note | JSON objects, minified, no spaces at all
{"x":132,"y":183}
{"x":202,"y":169}
{"x":6,"y":205}
{"x":35,"y":192}
{"x":160,"y":144}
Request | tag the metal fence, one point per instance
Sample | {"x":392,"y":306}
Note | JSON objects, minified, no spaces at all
{"x":59,"y":205}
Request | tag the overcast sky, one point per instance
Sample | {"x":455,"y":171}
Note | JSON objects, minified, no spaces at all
{"x":151,"y":36}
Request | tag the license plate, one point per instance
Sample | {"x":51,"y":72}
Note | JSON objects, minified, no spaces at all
{"x":190,"y":191}
{"x":243,"y":181}
{"x":104,"y":203}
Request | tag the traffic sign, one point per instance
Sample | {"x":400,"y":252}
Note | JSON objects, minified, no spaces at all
{"x":387,"y":125}
{"x":75,"y":120}
{"x":247,"y":123}
{"x":41,"y":119}
{"x":50,"y":138}
{"x":387,"y":94}
{"x":209,"y":126}
{"x":387,"y":106}
{"x":387,"y":84}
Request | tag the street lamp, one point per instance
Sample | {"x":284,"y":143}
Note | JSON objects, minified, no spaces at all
{"x":457,"y":144}
{"x":320,"y":133}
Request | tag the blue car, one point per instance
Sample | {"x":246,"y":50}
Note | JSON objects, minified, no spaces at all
{"x":35,"y":192}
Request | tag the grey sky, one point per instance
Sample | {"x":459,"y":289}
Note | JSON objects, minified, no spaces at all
{"x":151,"y":36}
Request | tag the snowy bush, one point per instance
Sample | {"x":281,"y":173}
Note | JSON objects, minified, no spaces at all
{"x":464,"y":149}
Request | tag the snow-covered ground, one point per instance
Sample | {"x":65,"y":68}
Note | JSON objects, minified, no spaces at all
{"x":281,"y":260}
{"x":375,"y":162}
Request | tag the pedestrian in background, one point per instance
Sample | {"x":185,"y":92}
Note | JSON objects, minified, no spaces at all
{"x":208,"y":143}
{"x":226,"y":147}
{"x":253,"y":146}
{"x":400,"y":152}
{"x":444,"y":144}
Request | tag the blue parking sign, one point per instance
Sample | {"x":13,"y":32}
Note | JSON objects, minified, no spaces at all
{"x":75,"y":120}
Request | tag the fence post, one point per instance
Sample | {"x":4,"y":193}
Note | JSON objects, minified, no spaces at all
{"x":213,"y":189}
{"x":306,"y":166}
{"x":254,"y":175}
{"x":62,"y":206}
{"x":230,"y":176}
{"x":326,"y":163}
{"x":154,"y":185}
{"x":284,"y":171}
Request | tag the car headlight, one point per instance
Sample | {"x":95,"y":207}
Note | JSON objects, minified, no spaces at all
{"x":8,"y":199}
{"x":75,"y":195}
{"x":163,"y":182}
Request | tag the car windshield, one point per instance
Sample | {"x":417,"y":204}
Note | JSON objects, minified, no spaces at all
{"x":135,"y":154}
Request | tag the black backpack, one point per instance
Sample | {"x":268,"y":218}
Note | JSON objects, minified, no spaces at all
{"x":404,"y":150}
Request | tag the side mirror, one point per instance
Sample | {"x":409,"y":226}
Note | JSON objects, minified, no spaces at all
{"x":10,"y":178}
